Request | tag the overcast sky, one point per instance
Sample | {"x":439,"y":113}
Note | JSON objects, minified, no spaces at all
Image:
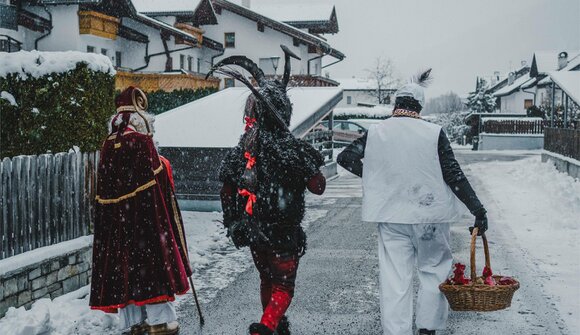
{"x":460,"y":39}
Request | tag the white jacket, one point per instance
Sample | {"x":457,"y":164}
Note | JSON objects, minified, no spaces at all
{"x":402,"y":178}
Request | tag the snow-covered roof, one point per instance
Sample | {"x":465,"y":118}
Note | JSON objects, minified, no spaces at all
{"x":547,"y":60}
{"x":294,"y":12}
{"x":37,"y":64}
{"x":216,"y":121}
{"x":165,"y":26}
{"x":569,"y":82}
{"x":162,"y":6}
{"x":351,"y":84}
{"x":523,"y":80}
{"x":572,"y":63}
{"x":279,"y":26}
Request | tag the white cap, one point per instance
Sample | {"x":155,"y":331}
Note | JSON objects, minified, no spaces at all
{"x":414,"y":91}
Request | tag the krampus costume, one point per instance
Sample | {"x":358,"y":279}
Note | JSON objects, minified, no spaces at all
{"x":412,"y":184}
{"x":265,"y":178}
{"x":139,"y":253}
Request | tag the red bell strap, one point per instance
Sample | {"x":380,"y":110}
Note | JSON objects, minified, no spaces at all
{"x":407,"y":113}
{"x":249,"y":122}
{"x":251,"y":200}
{"x":251,"y":160}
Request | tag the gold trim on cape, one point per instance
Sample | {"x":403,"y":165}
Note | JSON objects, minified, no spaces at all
{"x":126,"y":196}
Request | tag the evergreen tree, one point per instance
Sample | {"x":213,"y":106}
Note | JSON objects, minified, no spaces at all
{"x":480,"y":101}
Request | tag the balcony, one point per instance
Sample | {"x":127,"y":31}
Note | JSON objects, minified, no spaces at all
{"x":193,"y":31}
{"x":305,"y":80}
{"x":8,"y":17}
{"x":151,"y":82}
{"x":98,"y":24}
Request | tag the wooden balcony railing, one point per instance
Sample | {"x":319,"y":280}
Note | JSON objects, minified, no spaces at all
{"x":150,"y":82}
{"x":98,"y":24}
{"x":194,"y":31}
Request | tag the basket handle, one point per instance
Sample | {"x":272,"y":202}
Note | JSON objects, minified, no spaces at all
{"x":485,"y":249}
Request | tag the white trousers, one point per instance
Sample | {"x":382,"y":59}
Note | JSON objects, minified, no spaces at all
{"x":400,"y":247}
{"x":155,"y":314}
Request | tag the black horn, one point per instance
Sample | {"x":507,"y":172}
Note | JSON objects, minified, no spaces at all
{"x":243,"y":62}
{"x":287,"y":64}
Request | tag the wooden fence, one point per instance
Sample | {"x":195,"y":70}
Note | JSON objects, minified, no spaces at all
{"x":45,"y":199}
{"x":563,"y":141}
{"x":514,"y":127}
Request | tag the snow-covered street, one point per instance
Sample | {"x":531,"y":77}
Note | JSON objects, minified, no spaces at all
{"x":533,"y":235}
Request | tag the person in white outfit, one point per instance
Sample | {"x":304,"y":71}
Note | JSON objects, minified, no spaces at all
{"x":413,"y":188}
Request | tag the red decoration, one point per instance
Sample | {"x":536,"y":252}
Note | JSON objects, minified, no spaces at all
{"x":507,"y":281}
{"x":459,"y":275}
{"x":251,"y":200}
{"x":249,"y":122}
{"x":488,"y":277}
{"x":251,"y":160}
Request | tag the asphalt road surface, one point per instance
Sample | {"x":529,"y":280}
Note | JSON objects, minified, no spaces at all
{"x":337,"y":286}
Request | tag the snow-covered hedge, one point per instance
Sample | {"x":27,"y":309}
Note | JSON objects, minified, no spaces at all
{"x":52,"y":101}
{"x":376,"y":112}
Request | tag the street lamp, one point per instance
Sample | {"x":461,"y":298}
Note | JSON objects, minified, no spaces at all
{"x":275,"y":60}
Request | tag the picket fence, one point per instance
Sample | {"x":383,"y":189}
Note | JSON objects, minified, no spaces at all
{"x":45,"y":199}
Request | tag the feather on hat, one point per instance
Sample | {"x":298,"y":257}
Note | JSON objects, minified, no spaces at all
{"x":416,"y":87}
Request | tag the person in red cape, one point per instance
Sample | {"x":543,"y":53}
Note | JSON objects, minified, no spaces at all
{"x":139,"y":252}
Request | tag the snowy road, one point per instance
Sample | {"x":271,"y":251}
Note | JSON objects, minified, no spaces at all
{"x":337,"y":289}
{"x":534,"y":236}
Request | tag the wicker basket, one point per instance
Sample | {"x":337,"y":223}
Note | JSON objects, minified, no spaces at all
{"x":478,"y":297}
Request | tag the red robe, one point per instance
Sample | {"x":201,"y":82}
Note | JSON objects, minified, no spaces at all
{"x":139,"y":250}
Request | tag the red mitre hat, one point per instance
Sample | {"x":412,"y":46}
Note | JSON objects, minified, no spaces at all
{"x":124,"y":101}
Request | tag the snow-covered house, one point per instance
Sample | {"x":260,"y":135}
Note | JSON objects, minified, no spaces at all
{"x":360,"y":92}
{"x":146,"y":49}
{"x":245,"y":31}
{"x":533,"y":88}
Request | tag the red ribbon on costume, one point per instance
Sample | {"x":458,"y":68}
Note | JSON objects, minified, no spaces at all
{"x":251,"y":160}
{"x":249,"y":122}
{"x":251,"y":200}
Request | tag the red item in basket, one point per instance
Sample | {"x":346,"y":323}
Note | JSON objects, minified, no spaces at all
{"x":507,"y":281}
{"x":488,"y":277}
{"x":459,"y":275}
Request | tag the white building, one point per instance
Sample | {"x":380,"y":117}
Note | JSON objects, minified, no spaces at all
{"x":146,"y":51}
{"x":245,"y":31}
{"x":525,"y":89}
{"x":361,"y":92}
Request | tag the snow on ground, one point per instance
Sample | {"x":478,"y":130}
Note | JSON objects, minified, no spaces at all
{"x":542,"y":207}
{"x":216,"y":264}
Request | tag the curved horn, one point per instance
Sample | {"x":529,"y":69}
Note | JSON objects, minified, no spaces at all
{"x":287,"y":64}
{"x":243,"y":62}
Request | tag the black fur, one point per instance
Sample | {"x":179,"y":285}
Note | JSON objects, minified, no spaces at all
{"x":258,"y":328}
{"x":408,"y":103}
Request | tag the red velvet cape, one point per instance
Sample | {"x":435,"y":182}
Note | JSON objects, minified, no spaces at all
{"x":139,"y":251}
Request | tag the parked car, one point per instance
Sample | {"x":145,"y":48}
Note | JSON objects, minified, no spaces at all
{"x":346,"y":131}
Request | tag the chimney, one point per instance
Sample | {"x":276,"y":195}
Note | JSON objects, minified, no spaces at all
{"x":562,"y":60}
{"x":511,"y":78}
{"x":524,"y":63}
{"x":495,"y":78}
{"x":247,"y":3}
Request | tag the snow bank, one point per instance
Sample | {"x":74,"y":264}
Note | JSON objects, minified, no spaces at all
{"x":8,"y":97}
{"x":36,"y":64}
{"x":542,"y":207}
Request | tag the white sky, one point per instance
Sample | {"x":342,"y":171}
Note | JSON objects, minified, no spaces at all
{"x":460,"y":39}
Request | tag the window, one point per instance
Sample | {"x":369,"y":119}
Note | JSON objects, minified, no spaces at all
{"x":118,"y":58}
{"x":229,"y":82}
{"x":190,"y":63}
{"x":230,"y":40}
{"x":267,"y":65}
{"x":528,"y":103}
{"x":90,"y":49}
{"x":199,"y":65}
{"x":182,"y":62}
{"x":104,"y":51}
{"x":348,"y":100}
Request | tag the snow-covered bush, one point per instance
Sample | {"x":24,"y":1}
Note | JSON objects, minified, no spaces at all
{"x":453,"y":123}
{"x":481,"y":101}
{"x":52,"y":101}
